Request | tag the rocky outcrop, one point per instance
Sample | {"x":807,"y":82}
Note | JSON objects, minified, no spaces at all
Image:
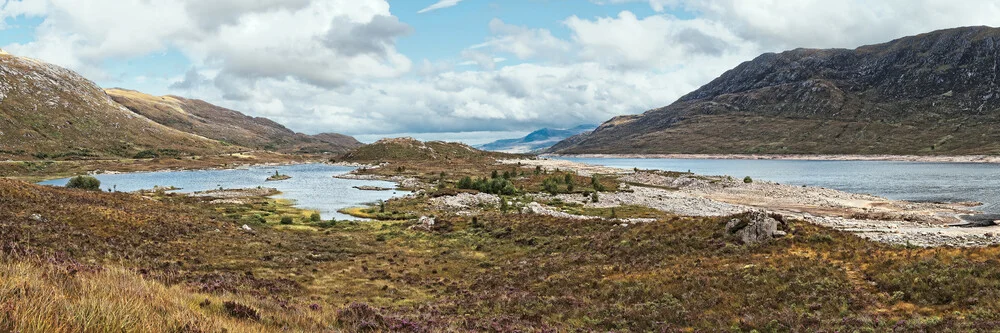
{"x":754,"y":227}
{"x":935,"y":93}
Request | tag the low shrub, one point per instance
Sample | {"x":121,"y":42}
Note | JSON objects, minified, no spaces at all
{"x":84,"y":182}
{"x":287,"y":220}
{"x":237,"y":310}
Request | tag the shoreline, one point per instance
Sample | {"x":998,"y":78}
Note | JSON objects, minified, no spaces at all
{"x":873,"y":217}
{"x":796,"y":157}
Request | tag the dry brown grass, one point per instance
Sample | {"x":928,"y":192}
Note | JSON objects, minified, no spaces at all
{"x":50,"y":298}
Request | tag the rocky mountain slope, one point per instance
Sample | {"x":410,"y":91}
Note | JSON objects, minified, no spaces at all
{"x":535,"y":141}
{"x":50,"y":112}
{"x":934,"y":93}
{"x":211,"y":121}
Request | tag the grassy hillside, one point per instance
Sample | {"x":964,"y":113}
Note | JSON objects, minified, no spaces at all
{"x":409,"y":150}
{"x":51,"y":112}
{"x":218,"y":123}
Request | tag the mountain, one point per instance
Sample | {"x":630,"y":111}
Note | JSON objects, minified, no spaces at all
{"x":50,"y":112}
{"x":934,"y":93}
{"x":233,"y":127}
{"x":535,"y":141}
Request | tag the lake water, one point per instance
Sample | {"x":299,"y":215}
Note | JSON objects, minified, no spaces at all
{"x":312,"y":186}
{"x":914,"y":181}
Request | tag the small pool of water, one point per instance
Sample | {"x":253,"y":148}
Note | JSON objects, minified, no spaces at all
{"x":312,"y":186}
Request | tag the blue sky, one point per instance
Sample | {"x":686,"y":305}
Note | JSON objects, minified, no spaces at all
{"x":467,"y":70}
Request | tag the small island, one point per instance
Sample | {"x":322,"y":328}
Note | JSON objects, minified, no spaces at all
{"x":372,"y":188}
{"x":277,"y":176}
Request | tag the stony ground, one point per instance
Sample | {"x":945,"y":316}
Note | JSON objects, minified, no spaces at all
{"x":872,"y":217}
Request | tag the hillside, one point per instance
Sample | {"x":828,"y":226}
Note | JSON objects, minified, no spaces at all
{"x":218,"y":123}
{"x":934,"y":93}
{"x":535,"y":141}
{"x":409,"y":149}
{"x":50,"y":112}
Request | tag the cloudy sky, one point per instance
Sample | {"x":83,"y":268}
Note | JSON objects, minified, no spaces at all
{"x":470,"y":70}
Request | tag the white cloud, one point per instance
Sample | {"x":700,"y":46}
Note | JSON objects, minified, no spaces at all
{"x":324,"y":43}
{"x":654,"y":42}
{"x":439,"y":5}
{"x":333,"y":65}
{"x":778,"y":25}
{"x":525,"y":43}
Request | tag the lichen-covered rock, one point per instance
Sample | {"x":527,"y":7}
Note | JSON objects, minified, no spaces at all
{"x":754,"y":227}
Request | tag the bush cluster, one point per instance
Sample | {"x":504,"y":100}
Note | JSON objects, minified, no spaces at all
{"x":497,"y":185}
{"x":84,"y":182}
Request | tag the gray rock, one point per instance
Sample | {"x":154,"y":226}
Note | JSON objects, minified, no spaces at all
{"x":754,"y":227}
{"x":424,"y":223}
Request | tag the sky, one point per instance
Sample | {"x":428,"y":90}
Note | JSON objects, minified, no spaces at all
{"x":458,"y":70}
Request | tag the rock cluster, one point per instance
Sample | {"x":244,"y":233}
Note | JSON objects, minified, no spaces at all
{"x":754,"y":227}
{"x":466,"y":201}
{"x":424,"y":223}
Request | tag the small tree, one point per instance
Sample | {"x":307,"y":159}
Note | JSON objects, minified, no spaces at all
{"x":596,"y":184}
{"x":538,"y":170}
{"x":568,"y":179}
{"x":494,"y":175}
{"x":84,"y":182}
{"x":465,"y":183}
{"x":315,"y":217}
{"x":747,"y":180}
{"x":504,"y":207}
{"x":381,"y":206}
{"x":286,"y":220}
{"x":594,"y":198}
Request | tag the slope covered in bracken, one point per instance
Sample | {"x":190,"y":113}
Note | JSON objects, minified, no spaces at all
{"x":50,"y":112}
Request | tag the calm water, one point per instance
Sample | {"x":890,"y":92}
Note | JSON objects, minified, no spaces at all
{"x":312,"y":185}
{"x":915,"y":181}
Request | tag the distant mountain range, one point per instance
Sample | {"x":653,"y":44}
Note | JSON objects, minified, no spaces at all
{"x":49,"y":112}
{"x":934,"y":93}
{"x":535,"y":141}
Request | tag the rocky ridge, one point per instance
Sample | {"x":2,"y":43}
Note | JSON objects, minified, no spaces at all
{"x":931,"y":94}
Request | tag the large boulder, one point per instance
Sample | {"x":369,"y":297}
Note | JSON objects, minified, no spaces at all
{"x":755,"y":227}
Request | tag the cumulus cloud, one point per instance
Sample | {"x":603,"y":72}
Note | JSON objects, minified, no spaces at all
{"x":659,"y":41}
{"x":777,"y":25}
{"x":324,"y":43}
{"x":439,"y":5}
{"x":332,"y":65}
{"x":524,"y":42}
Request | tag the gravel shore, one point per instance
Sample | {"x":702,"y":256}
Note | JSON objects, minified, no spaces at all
{"x":901,"y":158}
{"x":869,"y":216}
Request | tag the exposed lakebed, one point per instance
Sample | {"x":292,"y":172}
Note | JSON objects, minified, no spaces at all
{"x":911,"y":181}
{"x":311,"y":186}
